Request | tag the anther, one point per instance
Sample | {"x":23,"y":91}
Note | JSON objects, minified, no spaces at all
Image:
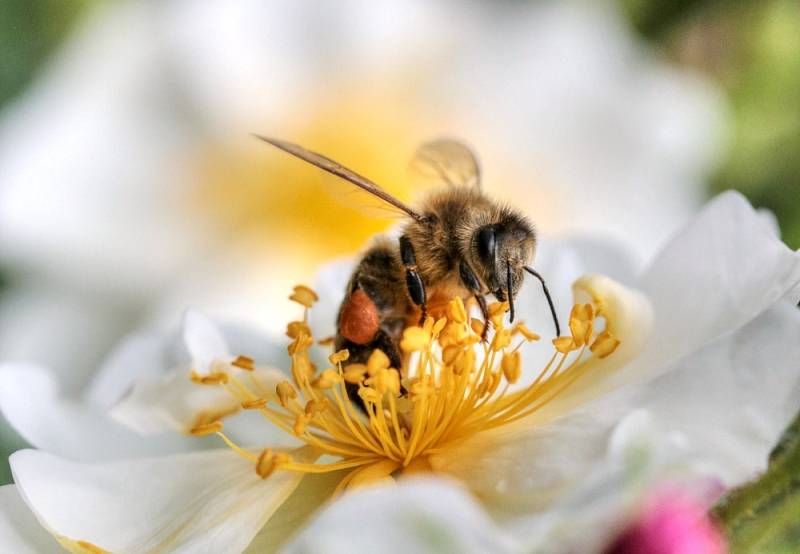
{"x":368,"y":394}
{"x":243,"y":362}
{"x":581,"y":323}
{"x":339,"y":356}
{"x":255,"y":404}
{"x":456,"y":311}
{"x":604,"y":345}
{"x":477,"y":326}
{"x":415,"y":339}
{"x":206,"y":429}
{"x":525,"y":332}
{"x":327,"y":379}
{"x":385,"y":380}
{"x":316,"y":406}
{"x":304,"y":295}
{"x":377,"y":361}
{"x":354,"y":373}
{"x":439,"y":325}
{"x":300,"y":344}
{"x":269,"y":461}
{"x":296,"y":328}
{"x":564,"y":344}
{"x":451,"y":353}
{"x":300,"y":423}
{"x":210,"y":379}
{"x":512,"y":366}
{"x":285,"y":391}
{"x":501,"y":339}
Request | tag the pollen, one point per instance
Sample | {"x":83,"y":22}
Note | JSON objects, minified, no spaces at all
{"x":377,"y":421}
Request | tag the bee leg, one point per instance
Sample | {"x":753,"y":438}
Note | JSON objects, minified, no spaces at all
{"x":485,"y":313}
{"x":470,"y":281}
{"x":414,"y":284}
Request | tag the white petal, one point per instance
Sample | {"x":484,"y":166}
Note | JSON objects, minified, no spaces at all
{"x":42,"y":324}
{"x":530,"y":468}
{"x":733,"y":399}
{"x":417,"y":515}
{"x":138,"y":356}
{"x":311,"y":495}
{"x":718,"y":273}
{"x":176,"y":403}
{"x":641,"y":456}
{"x":148,"y":355}
{"x":207,"y":501}
{"x":205,"y":342}
{"x":32,"y":403}
{"x":20,"y":533}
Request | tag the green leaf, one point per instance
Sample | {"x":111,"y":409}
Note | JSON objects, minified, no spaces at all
{"x":764,"y":516}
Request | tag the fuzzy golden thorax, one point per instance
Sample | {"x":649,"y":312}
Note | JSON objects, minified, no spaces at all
{"x":459,"y":224}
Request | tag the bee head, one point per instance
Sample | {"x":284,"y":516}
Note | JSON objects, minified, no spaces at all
{"x":500,"y":251}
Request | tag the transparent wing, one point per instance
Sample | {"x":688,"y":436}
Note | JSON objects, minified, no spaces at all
{"x":445,"y":162}
{"x":334,"y":168}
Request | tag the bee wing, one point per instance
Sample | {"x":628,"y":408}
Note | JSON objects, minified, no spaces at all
{"x":334,"y":168}
{"x":445,"y":162}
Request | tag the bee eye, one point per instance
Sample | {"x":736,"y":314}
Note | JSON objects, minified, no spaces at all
{"x":486,"y":243}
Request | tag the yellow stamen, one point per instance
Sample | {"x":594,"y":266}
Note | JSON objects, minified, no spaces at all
{"x":206,"y":429}
{"x":269,"y":461}
{"x":243,"y":362}
{"x":395,"y":419}
{"x":339,"y":357}
{"x":304,"y":295}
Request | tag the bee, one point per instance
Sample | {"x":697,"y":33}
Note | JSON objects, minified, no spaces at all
{"x":459,"y":242}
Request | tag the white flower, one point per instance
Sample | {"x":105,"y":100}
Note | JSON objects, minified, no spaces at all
{"x":81,"y":425}
{"x":103,"y":166}
{"x":704,"y":395}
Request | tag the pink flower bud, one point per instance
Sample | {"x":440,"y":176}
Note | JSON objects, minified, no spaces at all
{"x":673,"y":522}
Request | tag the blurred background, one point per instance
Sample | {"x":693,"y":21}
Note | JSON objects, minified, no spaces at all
{"x":130,"y":186}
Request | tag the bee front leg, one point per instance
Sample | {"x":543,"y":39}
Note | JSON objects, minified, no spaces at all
{"x":470,"y":281}
{"x":414,"y":284}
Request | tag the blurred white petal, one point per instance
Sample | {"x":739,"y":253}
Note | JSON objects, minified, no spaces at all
{"x":417,"y":515}
{"x":34,"y":406}
{"x":20,"y":533}
{"x":43,"y":324}
{"x":212,"y":501}
{"x":176,"y":403}
{"x":204,"y":341}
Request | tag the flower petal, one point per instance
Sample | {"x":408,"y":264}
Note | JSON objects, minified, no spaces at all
{"x":32,"y":403}
{"x":176,"y":403}
{"x":530,"y":467}
{"x":204,"y":341}
{"x":143,"y":355}
{"x":206,"y":501}
{"x":311,"y":495}
{"x":721,"y":271}
{"x":19,"y":531}
{"x":417,"y":515}
{"x":640,"y":456}
{"x":733,"y":399}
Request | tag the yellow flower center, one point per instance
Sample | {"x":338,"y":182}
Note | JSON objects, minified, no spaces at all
{"x":451,"y":387}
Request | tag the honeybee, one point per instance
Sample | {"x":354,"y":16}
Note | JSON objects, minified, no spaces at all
{"x":459,"y":242}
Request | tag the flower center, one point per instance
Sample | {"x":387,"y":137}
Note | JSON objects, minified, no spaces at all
{"x":451,"y":387}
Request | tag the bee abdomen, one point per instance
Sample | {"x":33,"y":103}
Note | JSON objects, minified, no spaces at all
{"x":359,"y":322}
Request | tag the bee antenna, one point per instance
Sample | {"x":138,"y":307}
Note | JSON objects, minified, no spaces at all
{"x":547,"y":294}
{"x":510,"y":295}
